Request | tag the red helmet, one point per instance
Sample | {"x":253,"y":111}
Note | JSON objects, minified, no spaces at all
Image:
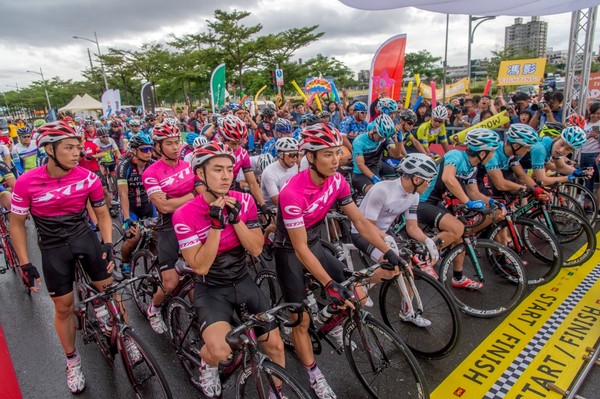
{"x":55,"y":131}
{"x":210,"y":150}
{"x":163,"y":131}
{"x":68,"y":119}
{"x":576,"y":120}
{"x":234,"y":129}
{"x":318,"y":136}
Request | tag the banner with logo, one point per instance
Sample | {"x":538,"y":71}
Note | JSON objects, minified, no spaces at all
{"x":148,"y":104}
{"x":454,"y":89}
{"x":521,"y":72}
{"x":318,"y":85}
{"x":387,"y":68}
{"x":111,"y":102}
{"x":594,"y":86}
{"x":217,"y":88}
{"x":493,"y":122}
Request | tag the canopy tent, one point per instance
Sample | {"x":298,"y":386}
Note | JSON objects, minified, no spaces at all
{"x":83,"y":106}
{"x":477,"y":7}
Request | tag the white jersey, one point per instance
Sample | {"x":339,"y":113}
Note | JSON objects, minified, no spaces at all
{"x":253,"y":161}
{"x":274,"y":177}
{"x":385,"y":201}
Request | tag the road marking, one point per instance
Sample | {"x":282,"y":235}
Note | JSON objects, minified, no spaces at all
{"x":541,"y":341}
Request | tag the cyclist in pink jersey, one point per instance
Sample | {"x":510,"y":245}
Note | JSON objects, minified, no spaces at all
{"x":56,"y":195}
{"x":169,"y":183}
{"x":215,"y":231}
{"x":235,"y":133}
{"x":303,"y":204}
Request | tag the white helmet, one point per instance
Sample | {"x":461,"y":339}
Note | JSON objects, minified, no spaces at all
{"x":286,"y":144}
{"x":417,"y":164}
{"x":199,"y":141}
{"x":263,"y":161}
{"x":440,"y":112}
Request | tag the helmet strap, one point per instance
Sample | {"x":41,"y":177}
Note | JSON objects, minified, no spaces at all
{"x":285,"y":163}
{"x":314,"y":167}
{"x":208,"y":190}
{"x":487,"y":152}
{"x":512,"y":148}
{"x":415,"y":185}
{"x":53,"y":157}
{"x":162,"y":153}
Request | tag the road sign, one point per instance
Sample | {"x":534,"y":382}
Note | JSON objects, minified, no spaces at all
{"x":279,"y":77}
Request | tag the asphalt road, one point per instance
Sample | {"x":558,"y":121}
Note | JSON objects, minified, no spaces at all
{"x":39,"y":363}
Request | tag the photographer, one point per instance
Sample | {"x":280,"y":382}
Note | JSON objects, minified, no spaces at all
{"x":548,"y":110}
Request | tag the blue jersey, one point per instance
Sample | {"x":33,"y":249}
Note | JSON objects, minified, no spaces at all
{"x":350,"y":125}
{"x":465,"y":173}
{"x":370,"y":150}
{"x":541,"y":153}
{"x":269,"y":148}
{"x":501,"y":161}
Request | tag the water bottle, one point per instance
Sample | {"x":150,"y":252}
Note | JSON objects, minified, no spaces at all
{"x":103,"y":317}
{"x":311,"y":303}
{"x":327,"y":312}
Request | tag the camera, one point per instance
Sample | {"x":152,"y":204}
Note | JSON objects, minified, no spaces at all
{"x":539,"y":106}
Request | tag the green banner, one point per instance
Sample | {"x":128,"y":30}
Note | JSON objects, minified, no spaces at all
{"x":217,"y":88}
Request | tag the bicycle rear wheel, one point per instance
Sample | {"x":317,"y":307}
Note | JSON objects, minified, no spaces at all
{"x":383,"y":363}
{"x":186,"y":337}
{"x":257,"y":384}
{"x":12,"y":261}
{"x":499,"y":269}
{"x":584,"y":197}
{"x":142,"y":262}
{"x":434,"y":341}
{"x":145,"y":376}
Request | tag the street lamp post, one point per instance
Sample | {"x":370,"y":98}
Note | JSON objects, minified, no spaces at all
{"x":99,"y":56}
{"x":41,"y":73}
{"x":471,"y":35}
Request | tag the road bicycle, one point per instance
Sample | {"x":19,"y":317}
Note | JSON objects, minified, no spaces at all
{"x":258,"y":376}
{"x":11,"y":261}
{"x":113,"y":336}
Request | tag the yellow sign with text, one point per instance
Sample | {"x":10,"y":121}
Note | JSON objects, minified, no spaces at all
{"x":493,"y":122}
{"x":521,"y":72}
{"x":454,"y":89}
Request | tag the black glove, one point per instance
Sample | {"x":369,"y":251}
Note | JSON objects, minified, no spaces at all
{"x":266,"y":209}
{"x":89,"y":157}
{"x":393,"y":261}
{"x":217,"y":218}
{"x":233,"y":212}
{"x":109,"y":251}
{"x":338,"y":293}
{"x":30,"y":273}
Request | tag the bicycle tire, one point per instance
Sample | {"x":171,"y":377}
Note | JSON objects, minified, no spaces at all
{"x":12,"y":260}
{"x":435,"y":341}
{"x":186,"y":337}
{"x":118,"y":235}
{"x":145,"y":375}
{"x":539,"y":248}
{"x":143,"y":262}
{"x":269,"y":285}
{"x":405,"y":376}
{"x":566,"y":201}
{"x":500,"y":293}
{"x":248,"y":382}
{"x":570,"y":228}
{"x":590,"y":205}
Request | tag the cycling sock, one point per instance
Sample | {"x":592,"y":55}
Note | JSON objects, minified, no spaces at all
{"x":153,"y":309}
{"x":73,"y":358}
{"x":313,"y":371}
{"x":458,"y":275}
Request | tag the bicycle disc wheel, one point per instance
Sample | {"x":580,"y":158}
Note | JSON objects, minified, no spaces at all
{"x":584,"y":197}
{"x":574,"y":233}
{"x":267,"y":377}
{"x":143,"y":372}
{"x":381,"y":361}
{"x":185,"y":336}
{"x":434,"y":341}
{"x":503,"y":277}
{"x":538,"y":248}
{"x":142,"y":262}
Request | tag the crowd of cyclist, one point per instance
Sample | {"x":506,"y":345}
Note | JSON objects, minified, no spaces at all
{"x":209,"y":192}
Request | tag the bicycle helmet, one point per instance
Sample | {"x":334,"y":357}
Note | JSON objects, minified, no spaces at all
{"x":268,"y":112}
{"x":103,"y":118}
{"x":383,"y":125}
{"x":234,"y":129}
{"x":208,"y":151}
{"x":224,"y":110}
{"x":190,"y":138}
{"x":386,"y":106}
{"x":312,"y":119}
{"x":319,"y":136}
{"x":417,"y":164}
{"x":408,"y":115}
{"x":79,"y":131}
{"x":482,"y":140}
{"x":284,"y":126}
{"x":38,"y":122}
{"x":574,"y":136}
{"x":522,"y":134}
{"x":98,"y":124}
{"x":286,"y":144}
{"x":200,"y":141}
{"x":88,"y":122}
{"x":162,"y":131}
{"x":324,"y":114}
{"x":135,"y":122}
{"x":101,"y":132}
{"x":360,"y":106}
{"x":170,"y":121}
{"x":552,"y":129}
{"x":576,"y":120}
{"x":263,"y":161}
{"x":115,"y":124}
{"x":305,"y":117}
{"x":54,"y":132}
{"x":25,"y":131}
{"x":440,"y":112}
{"x":150,"y":118}
{"x":139,"y":140}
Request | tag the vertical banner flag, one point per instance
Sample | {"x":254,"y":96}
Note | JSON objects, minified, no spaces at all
{"x":387,"y":68}
{"x":111,"y":102}
{"x":217,"y":88}
{"x":147,"y":98}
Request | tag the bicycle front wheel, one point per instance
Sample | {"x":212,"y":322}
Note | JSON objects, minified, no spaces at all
{"x":185,"y":336}
{"x":143,"y":372}
{"x":142,"y":262}
{"x":266,"y":378}
{"x":434,"y":341}
{"x":584,"y":197}
{"x":383,"y":363}
{"x":497,"y":267}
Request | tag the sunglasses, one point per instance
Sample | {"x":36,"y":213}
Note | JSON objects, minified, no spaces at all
{"x":26,"y":137}
{"x":409,"y":123}
{"x":361,"y":112}
{"x":292,"y":154}
{"x":438,"y":120}
{"x":145,"y":150}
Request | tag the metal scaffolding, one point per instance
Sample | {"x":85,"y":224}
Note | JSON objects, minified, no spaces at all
{"x":583,"y":23}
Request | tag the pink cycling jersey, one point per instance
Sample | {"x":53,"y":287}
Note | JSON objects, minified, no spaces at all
{"x":242,"y":161}
{"x":175,"y":181}
{"x":192,"y":224}
{"x":57,"y":205}
{"x":302,"y":203}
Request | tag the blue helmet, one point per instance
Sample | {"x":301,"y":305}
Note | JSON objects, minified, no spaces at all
{"x":139,"y":140}
{"x":482,"y":140}
{"x":574,"y":136}
{"x":386,"y":105}
{"x":190,"y":137}
{"x":520,"y":133}
{"x":360,"y":106}
{"x":284,"y":126}
{"x":383,"y":125}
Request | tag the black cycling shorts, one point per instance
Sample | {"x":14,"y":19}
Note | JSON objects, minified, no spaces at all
{"x":110,"y":167}
{"x":508,"y":175}
{"x":430,"y":214}
{"x":290,"y":271}
{"x":360,"y":182}
{"x":101,"y":177}
{"x":58,"y":264}
{"x":168,"y":249}
{"x":218,"y":303}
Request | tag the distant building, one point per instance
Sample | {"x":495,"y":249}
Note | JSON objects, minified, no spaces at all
{"x":478,"y":70}
{"x":363,"y":76}
{"x":520,"y":37}
{"x":556,"y":57}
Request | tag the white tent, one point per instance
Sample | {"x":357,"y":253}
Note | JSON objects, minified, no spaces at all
{"x":84,"y":106}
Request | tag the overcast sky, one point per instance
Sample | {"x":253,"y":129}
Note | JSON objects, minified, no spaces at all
{"x":38,"y":33}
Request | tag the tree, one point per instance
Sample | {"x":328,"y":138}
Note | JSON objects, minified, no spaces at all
{"x":424,"y":64}
{"x":504,"y":55}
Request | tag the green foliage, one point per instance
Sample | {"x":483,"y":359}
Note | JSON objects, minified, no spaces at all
{"x":505,"y":55}
{"x":424,"y":64}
